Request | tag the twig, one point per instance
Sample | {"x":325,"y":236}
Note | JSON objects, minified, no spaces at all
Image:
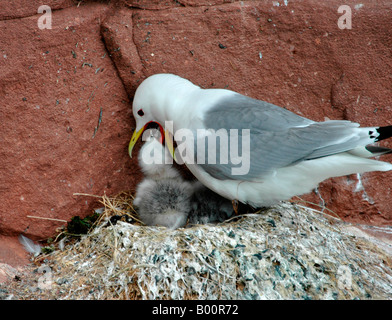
{"x":317,"y":205}
{"x":86,"y":194}
{"x":46,"y":218}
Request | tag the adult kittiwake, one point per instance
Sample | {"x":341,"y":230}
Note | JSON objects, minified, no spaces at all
{"x":251,"y":150}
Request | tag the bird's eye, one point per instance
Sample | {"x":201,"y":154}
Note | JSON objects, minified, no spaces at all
{"x":140,"y":112}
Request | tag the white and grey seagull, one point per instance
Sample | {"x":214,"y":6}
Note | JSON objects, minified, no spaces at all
{"x":284,"y":154}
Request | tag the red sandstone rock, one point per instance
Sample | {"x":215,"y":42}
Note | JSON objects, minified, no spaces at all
{"x":11,"y":252}
{"x":54,"y":84}
{"x":152,"y":4}
{"x":26,"y":8}
{"x":117,"y":33}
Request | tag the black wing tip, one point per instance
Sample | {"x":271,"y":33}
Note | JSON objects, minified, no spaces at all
{"x":378,"y":151}
{"x":383,"y":133}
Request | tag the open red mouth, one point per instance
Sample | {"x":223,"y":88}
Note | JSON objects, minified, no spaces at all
{"x":157,"y":126}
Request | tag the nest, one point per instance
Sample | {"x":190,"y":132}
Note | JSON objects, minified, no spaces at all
{"x":284,"y":252}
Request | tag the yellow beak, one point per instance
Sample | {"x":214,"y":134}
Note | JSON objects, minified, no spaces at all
{"x":135,"y":137}
{"x":169,"y":143}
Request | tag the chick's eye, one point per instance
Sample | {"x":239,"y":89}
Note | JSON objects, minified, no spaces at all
{"x":140,"y":112}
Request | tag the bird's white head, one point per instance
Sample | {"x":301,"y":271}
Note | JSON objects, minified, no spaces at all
{"x":154,"y":101}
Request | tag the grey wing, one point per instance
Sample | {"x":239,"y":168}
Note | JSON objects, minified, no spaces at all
{"x":278,"y":137}
{"x":253,"y":114}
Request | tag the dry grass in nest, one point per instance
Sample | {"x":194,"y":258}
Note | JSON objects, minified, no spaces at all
{"x":285,"y":252}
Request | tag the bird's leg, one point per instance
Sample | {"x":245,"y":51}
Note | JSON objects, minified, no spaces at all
{"x":235,"y":206}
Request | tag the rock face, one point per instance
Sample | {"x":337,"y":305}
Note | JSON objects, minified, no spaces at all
{"x":66,"y":119}
{"x":66,"y":92}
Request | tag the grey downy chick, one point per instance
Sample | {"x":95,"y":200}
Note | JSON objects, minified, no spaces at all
{"x":154,"y":159}
{"x":163,"y":197}
{"x":208,"y":206}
